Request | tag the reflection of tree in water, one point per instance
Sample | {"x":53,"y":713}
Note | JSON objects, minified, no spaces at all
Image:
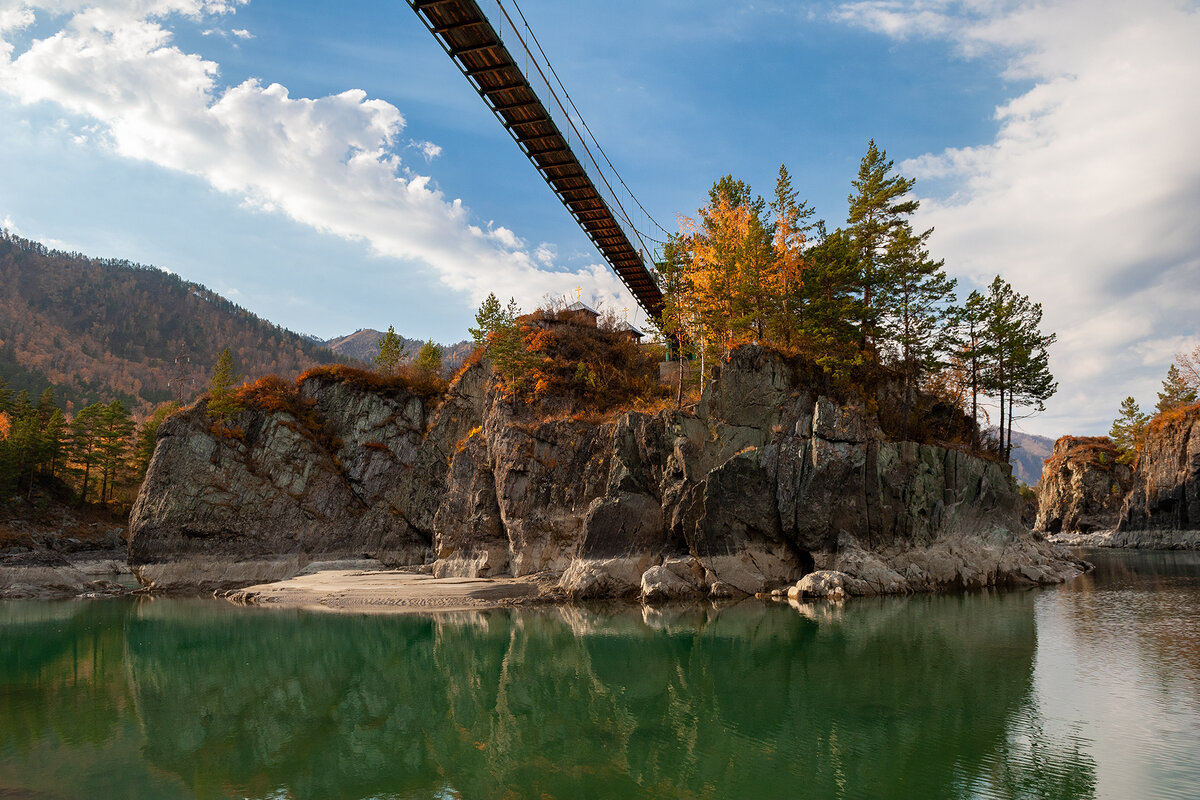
{"x":1033,"y":764}
{"x":66,"y":723}
{"x":919,"y":697}
{"x":894,"y":698}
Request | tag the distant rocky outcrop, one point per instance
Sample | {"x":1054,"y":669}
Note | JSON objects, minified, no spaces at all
{"x":1082,"y":486}
{"x":768,"y":479}
{"x":1163,"y":508}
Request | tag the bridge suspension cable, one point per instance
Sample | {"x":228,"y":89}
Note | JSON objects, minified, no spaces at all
{"x":582,"y":121}
{"x":473,"y":44}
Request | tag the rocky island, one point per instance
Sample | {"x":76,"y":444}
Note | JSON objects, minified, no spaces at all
{"x":1087,"y":498}
{"x":766,"y":480}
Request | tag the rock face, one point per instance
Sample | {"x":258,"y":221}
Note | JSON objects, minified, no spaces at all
{"x":765,"y":482}
{"x":1164,"y":505}
{"x":218,"y":510}
{"x":1082,"y":486}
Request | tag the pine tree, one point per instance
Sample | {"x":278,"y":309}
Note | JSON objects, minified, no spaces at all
{"x":47,"y":405}
{"x":429,"y":359}
{"x":877,"y":214}
{"x":1019,"y":368}
{"x":489,"y":317}
{"x":55,"y":437}
{"x":826,"y":329}
{"x":1129,"y":430}
{"x":391,"y":352}
{"x":966,"y":340}
{"x":115,"y":430}
{"x":791,"y":230}
{"x":84,"y":444}
{"x":147,"y":437}
{"x":1175,"y":392}
{"x":221,"y":402}
{"x":915,"y":301}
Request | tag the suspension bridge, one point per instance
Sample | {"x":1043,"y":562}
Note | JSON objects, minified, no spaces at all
{"x":475,"y":47}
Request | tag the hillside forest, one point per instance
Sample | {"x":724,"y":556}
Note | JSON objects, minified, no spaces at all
{"x":104,"y":329}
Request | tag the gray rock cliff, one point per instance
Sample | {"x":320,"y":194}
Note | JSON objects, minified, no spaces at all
{"x":767,"y":480}
{"x":1082,"y":486}
{"x":1164,"y":504}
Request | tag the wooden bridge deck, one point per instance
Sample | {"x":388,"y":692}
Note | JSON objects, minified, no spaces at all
{"x":468,"y":37}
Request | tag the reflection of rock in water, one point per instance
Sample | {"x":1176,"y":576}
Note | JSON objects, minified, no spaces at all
{"x":67,"y":729}
{"x":916,"y":693}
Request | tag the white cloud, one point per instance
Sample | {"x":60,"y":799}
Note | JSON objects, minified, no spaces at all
{"x":427,"y":149}
{"x":330,"y":162}
{"x":1087,"y":197}
{"x":546,"y":253}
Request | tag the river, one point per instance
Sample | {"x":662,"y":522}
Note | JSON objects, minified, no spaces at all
{"x":1089,"y":690}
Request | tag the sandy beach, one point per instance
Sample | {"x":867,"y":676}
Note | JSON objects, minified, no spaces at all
{"x":390,"y":591}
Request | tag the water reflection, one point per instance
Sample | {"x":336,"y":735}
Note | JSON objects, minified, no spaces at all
{"x":912,"y":697}
{"x":1127,"y":669}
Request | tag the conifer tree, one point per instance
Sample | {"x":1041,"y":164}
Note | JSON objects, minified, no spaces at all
{"x":915,"y":301}
{"x":877,"y":213}
{"x":85,"y":444}
{"x":1019,"y":369}
{"x":55,"y":439}
{"x":967,"y":341}
{"x":147,"y":437}
{"x":490,"y":316}
{"x":429,"y":359}
{"x":1129,"y":430}
{"x":6,"y":396}
{"x":391,"y":352}
{"x":1175,"y":392}
{"x":221,"y":402}
{"x":46,"y":405}
{"x":826,"y":330}
{"x":792,"y":226}
{"x":115,"y":430}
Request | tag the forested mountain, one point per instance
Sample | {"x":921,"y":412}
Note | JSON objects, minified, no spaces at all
{"x":105,"y":329}
{"x":363,"y":345}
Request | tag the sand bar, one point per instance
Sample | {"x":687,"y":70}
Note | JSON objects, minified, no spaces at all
{"x":390,"y":591}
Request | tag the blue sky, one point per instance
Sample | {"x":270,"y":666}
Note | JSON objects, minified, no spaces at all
{"x":327,"y":167}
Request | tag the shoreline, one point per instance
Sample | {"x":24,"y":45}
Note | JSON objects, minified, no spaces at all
{"x":1161,"y":539}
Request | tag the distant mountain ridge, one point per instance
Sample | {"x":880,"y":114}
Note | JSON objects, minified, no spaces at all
{"x":363,"y":345}
{"x":104,"y":329}
{"x":98,"y":330}
{"x":1028,"y":455}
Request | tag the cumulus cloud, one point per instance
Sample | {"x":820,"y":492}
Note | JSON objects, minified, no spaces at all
{"x":330,"y":162}
{"x":1086,"y":199}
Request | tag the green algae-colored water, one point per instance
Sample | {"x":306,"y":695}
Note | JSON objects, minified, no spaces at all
{"x":1087,"y":690}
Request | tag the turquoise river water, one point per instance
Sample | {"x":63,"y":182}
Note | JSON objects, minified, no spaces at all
{"x":1089,"y":690}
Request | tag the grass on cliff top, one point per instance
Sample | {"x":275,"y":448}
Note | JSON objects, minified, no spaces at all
{"x":1171,"y":415}
{"x":423,"y":383}
{"x":1099,"y":451}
